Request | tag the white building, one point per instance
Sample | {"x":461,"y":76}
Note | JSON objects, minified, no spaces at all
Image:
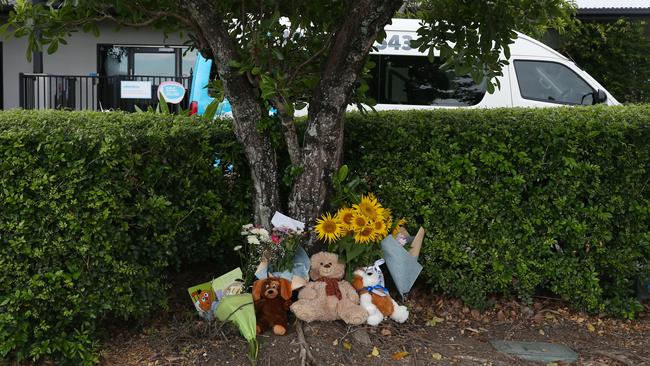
{"x":86,"y":73}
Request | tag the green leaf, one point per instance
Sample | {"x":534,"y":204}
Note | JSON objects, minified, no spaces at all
{"x":211,"y":109}
{"x":4,"y":27}
{"x":162,"y":103}
{"x":343,"y":173}
{"x":53,"y":47}
{"x":490,"y":87}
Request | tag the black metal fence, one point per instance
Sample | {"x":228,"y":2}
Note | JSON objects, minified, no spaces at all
{"x":74,"y":92}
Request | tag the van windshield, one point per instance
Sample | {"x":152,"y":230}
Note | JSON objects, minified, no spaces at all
{"x":414,"y":80}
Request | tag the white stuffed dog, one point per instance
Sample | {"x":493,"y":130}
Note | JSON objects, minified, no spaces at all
{"x":374,"y":297}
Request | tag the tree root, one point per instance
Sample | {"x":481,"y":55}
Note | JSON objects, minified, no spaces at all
{"x":305,"y":353}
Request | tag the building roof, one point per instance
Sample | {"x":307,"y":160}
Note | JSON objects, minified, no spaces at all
{"x":609,"y":4}
{"x":613,"y":8}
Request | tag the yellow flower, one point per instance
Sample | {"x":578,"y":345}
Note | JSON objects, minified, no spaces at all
{"x":370,"y":207}
{"x":380,"y":230}
{"x":387,"y":216}
{"x":345,"y":216}
{"x":365,"y":235}
{"x":359,"y":222}
{"x":401,"y":222}
{"x":328,"y":228}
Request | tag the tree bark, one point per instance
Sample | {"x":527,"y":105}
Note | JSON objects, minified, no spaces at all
{"x":243,"y":98}
{"x":323,"y":142}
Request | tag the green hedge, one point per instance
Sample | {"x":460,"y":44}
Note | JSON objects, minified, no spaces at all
{"x":94,"y":209}
{"x":518,"y":201}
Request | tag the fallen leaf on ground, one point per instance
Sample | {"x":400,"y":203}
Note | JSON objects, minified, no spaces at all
{"x":374,"y":353}
{"x":399,"y":355}
{"x":336,"y":342}
{"x":476,"y":314}
{"x":590,"y":327}
{"x":347,"y":345}
{"x":386,"y":332}
{"x":541,"y":332}
{"x":434,"y":321}
{"x":552,"y":364}
{"x":501,"y":316}
{"x":436,"y":356}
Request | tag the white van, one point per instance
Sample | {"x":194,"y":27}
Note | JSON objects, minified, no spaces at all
{"x":403,"y":78}
{"x":537,"y":76}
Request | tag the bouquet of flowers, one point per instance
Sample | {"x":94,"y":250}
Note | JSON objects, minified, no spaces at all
{"x":275,"y":251}
{"x":354,"y":233}
{"x":288,"y":241}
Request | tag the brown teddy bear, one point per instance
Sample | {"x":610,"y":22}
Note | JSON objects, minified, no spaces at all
{"x":327,"y":297}
{"x":272,"y":298}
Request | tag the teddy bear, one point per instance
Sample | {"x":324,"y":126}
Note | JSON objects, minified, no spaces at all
{"x":327,"y":296}
{"x":374,"y":297}
{"x":272,"y":298}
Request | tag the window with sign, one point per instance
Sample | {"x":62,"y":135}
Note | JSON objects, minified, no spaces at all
{"x":414,"y":80}
{"x":125,"y":71}
{"x":552,"y":82}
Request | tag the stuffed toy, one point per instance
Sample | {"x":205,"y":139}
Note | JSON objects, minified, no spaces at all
{"x":374,"y":297}
{"x":272,"y":298}
{"x":327,"y":296}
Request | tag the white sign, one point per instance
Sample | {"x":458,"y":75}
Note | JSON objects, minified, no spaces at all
{"x":280,"y":220}
{"x":135,"y":89}
{"x":172,"y":91}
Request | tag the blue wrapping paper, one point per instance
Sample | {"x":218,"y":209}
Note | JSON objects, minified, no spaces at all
{"x":403,"y":267}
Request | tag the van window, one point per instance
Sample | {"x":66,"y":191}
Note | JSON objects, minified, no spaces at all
{"x":416,"y":81}
{"x":552,"y":82}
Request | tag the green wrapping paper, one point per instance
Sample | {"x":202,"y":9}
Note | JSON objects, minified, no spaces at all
{"x":239,"y":309}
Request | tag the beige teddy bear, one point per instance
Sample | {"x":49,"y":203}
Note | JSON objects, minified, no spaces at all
{"x":327,"y":296}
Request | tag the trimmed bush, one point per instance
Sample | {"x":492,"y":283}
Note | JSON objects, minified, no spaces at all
{"x":518,"y":201}
{"x":94,"y":209}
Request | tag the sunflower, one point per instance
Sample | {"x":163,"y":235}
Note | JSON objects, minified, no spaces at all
{"x":379,"y":229}
{"x":359,"y":221}
{"x":328,"y":228}
{"x":401,"y":222}
{"x":365,"y":235}
{"x":387,"y":216}
{"x":346,"y":217}
{"x":370,"y":207}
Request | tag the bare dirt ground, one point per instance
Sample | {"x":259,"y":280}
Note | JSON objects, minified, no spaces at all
{"x":440,"y":331}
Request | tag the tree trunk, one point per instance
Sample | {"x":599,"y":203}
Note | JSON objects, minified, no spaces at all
{"x":246,"y":111}
{"x":323,"y":142}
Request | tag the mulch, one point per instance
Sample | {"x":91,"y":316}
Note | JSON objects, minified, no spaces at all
{"x":440,"y":331}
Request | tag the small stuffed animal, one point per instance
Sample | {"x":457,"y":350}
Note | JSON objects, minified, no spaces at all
{"x":272,"y":298}
{"x":374,"y":297}
{"x":327,"y":296}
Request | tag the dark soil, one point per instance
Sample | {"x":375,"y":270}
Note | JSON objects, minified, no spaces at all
{"x":440,"y":331}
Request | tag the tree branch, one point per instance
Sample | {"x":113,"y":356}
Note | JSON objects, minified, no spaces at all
{"x":288,"y":131}
{"x":323,"y":142}
{"x":247,"y":112}
{"x":309,"y":60}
